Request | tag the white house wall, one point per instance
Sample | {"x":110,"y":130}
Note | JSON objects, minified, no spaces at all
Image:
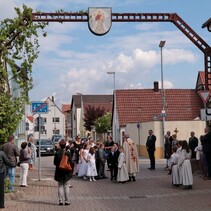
{"x":73,"y":121}
{"x":184,"y":128}
{"x":69,"y":124}
{"x":31,"y":127}
{"x":78,"y":120}
{"x":50,"y":125}
{"x":116,"y":131}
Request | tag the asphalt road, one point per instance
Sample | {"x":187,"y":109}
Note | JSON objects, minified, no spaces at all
{"x":152,"y":191}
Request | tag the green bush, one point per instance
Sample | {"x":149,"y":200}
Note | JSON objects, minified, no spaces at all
{"x":6,"y":185}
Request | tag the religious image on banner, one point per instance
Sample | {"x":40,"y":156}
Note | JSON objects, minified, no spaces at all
{"x":99,"y":20}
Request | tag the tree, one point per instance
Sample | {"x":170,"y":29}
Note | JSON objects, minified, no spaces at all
{"x":91,"y":114}
{"x":18,"y":46}
{"x":103,"y":124}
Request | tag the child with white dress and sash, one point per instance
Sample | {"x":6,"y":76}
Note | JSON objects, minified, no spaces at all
{"x":186,"y":169}
{"x":174,"y":167}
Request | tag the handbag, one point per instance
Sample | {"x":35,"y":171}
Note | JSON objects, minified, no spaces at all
{"x":64,"y":163}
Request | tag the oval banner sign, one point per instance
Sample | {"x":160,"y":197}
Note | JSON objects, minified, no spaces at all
{"x":99,"y":20}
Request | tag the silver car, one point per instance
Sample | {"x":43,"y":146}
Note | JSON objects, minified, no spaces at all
{"x":46,"y":147}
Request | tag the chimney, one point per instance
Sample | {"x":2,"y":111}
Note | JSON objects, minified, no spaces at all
{"x":156,"y":87}
{"x":53,"y":99}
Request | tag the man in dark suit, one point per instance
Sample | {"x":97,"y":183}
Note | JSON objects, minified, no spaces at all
{"x":206,"y":143}
{"x":108,"y":144}
{"x":113,"y":162}
{"x":150,"y":145}
{"x":193,"y":143}
{"x":168,"y":148}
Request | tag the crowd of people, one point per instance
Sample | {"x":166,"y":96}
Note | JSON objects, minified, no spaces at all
{"x":88,"y":160}
{"x":178,"y":154}
{"x":9,"y":161}
{"x":180,"y":168}
{"x":89,"y":157}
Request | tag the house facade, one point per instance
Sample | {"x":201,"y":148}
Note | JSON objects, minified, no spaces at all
{"x":139,"y":110}
{"x":78,"y":107}
{"x":29,"y":125}
{"x":20,"y":133}
{"x":66,"y":108}
{"x":54,"y":121}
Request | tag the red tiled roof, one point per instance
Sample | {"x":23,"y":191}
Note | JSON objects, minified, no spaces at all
{"x":142,"y":105}
{"x":200,"y":83}
{"x":66,"y":107}
{"x":202,"y":76}
{"x":30,"y":118}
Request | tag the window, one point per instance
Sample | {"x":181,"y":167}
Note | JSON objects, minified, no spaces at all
{"x":55,"y":119}
{"x":43,"y":131}
{"x":56,"y":131}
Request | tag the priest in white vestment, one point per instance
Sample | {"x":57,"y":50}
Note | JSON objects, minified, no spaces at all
{"x":131,"y":157}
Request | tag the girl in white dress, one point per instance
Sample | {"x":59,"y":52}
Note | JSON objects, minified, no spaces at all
{"x":122,"y":175}
{"x":174,"y":167}
{"x":91,"y":170}
{"x":179,"y":151}
{"x":82,"y":171}
{"x":186,"y":170}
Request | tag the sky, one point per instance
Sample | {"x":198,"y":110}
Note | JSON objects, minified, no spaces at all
{"x":74,"y":60}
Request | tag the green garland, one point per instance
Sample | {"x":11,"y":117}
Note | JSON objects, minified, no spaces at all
{"x":18,"y":46}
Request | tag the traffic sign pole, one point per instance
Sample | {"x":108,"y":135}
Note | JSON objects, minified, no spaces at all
{"x":39,"y":107}
{"x":205,"y":96}
{"x":39,"y":154}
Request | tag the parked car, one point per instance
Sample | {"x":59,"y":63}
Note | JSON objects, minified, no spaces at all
{"x":56,"y":137}
{"x":46,"y":147}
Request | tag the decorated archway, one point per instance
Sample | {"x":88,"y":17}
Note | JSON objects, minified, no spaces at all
{"x":134,"y":17}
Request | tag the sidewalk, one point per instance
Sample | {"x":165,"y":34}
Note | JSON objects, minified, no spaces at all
{"x":151,"y":191}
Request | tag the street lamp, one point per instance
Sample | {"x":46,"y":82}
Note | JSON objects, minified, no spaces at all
{"x":82,"y":113}
{"x":114,"y":114}
{"x":207,"y":24}
{"x":112,"y":73}
{"x":163,"y":112}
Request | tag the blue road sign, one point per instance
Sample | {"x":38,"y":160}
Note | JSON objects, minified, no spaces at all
{"x":39,"y":107}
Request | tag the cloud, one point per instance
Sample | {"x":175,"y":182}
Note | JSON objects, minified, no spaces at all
{"x":53,"y":42}
{"x":7,"y":9}
{"x":173,"y":56}
{"x":131,"y":71}
{"x":166,"y":84}
{"x":147,"y":60}
{"x":73,"y":60}
{"x":86,"y":72}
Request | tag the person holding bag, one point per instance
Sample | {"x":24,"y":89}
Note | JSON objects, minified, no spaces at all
{"x":63,"y":176}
